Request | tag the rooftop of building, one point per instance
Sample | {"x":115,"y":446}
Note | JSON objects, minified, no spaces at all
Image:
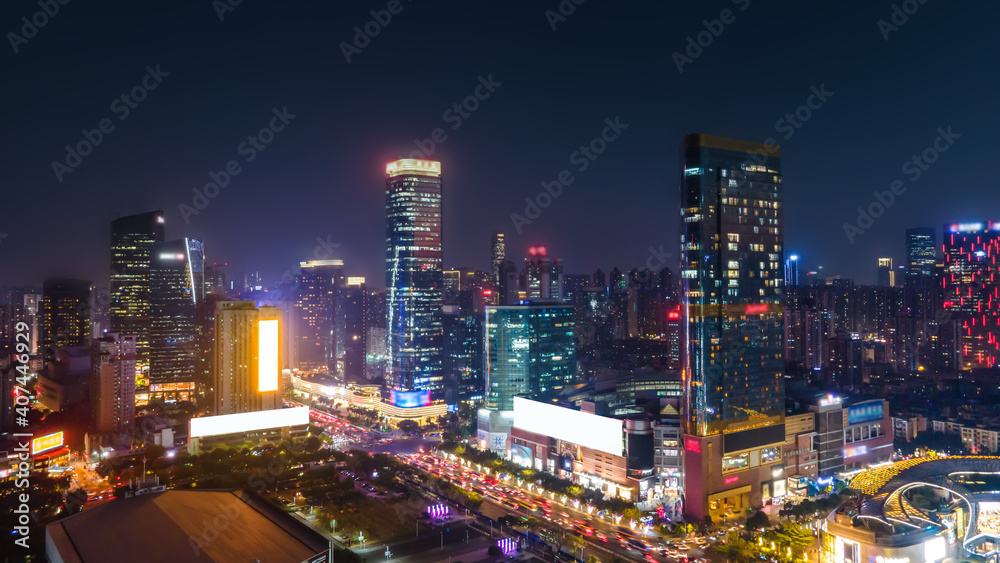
{"x":181,"y":525}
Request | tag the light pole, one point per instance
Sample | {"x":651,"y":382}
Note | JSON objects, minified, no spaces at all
{"x":442,"y":540}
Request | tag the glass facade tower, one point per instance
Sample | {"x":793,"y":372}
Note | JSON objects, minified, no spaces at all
{"x":177,"y":275}
{"x":413,"y":276}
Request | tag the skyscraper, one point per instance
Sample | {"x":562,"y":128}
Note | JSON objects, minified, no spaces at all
{"x":499,"y":254}
{"x":112,"y":384}
{"x":177,"y":282}
{"x":792,"y":271}
{"x":885,"y":274}
{"x":316,"y":303}
{"x":732,"y":265}
{"x":921,"y":254}
{"x":65,"y":313}
{"x":971,"y":286}
{"x":922,"y":291}
{"x":247,"y":361}
{"x":353,"y":305}
{"x":542,"y":275}
{"x":528,"y":349}
{"x":132,"y":240}
{"x":413,"y":276}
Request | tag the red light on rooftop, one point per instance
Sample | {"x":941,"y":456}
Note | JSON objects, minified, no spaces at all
{"x":673,"y":315}
{"x":487,"y":292}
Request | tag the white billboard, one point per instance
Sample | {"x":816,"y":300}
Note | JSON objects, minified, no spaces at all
{"x":267,"y":356}
{"x":248,"y":421}
{"x":569,"y":425}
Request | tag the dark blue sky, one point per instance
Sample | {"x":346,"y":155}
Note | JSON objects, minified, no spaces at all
{"x":322,"y":175}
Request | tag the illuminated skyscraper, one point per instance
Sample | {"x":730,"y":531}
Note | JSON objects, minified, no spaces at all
{"x":112,"y":384}
{"x":499,"y":254}
{"x":177,"y":289}
{"x":247,"y":357}
{"x":132,"y":240}
{"x":971,"y":289}
{"x":921,"y":255}
{"x":317,"y":304}
{"x":792,"y":271}
{"x":542,"y":275}
{"x":922,"y":290}
{"x":885,"y":274}
{"x":529,"y":349}
{"x":413,"y":276}
{"x":732,"y":264}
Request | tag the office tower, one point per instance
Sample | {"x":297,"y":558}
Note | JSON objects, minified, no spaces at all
{"x":921,"y":288}
{"x":65,"y":314}
{"x":132,"y":240}
{"x":921,"y":253}
{"x":215,"y":278}
{"x":885,"y":275}
{"x":542,"y":275}
{"x":792,"y":271}
{"x":463,"y":347}
{"x":600,"y":280}
{"x":112,"y":384}
{"x":177,"y":287}
{"x":529,"y":349}
{"x":353,"y":300}
{"x":971,"y":286}
{"x":452,"y":283}
{"x":247,"y":350}
{"x":507,"y":291}
{"x":732,"y":267}
{"x":413,"y":275}
{"x":316,"y":304}
{"x":674,"y":329}
{"x":499,"y":254}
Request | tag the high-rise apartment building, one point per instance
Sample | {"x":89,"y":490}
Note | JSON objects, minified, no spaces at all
{"x":971,"y":286}
{"x":528,"y":349}
{"x":177,"y":287}
{"x":542,"y":275}
{"x":132,"y":241}
{"x":413,"y":276}
{"x":885,"y":274}
{"x":247,"y":357}
{"x":316,"y":303}
{"x":732,"y":265}
{"x":112,"y":384}
{"x":65,"y":314}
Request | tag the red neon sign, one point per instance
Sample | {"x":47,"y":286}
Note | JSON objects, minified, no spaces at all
{"x":692,"y":445}
{"x":756,"y":309}
{"x":730,"y":480}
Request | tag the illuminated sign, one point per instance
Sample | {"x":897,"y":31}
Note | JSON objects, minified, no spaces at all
{"x":413,"y":166}
{"x":673,"y":315}
{"x":267,"y":355}
{"x":409,"y":399}
{"x":864,"y":412}
{"x":46,"y":443}
{"x":829,"y":400}
{"x":171,"y":256}
{"x":881,"y":559}
{"x":247,"y":421}
{"x":537,"y":251}
{"x":692,"y":445}
{"x":934,"y":550}
{"x":580,"y":428}
{"x":355,"y":280}
{"x":519,"y":344}
{"x":730,"y":480}
{"x":855,"y":451}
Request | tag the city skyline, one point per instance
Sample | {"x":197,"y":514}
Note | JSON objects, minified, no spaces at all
{"x":860,"y":110}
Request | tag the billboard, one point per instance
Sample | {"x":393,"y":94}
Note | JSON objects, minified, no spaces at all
{"x":569,"y":425}
{"x":865,"y":412}
{"x":247,"y":421}
{"x":409,"y":399}
{"x":267,"y":355}
{"x":46,"y":443}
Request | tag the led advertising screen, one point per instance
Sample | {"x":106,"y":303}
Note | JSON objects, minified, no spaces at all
{"x":267,"y":356}
{"x":584,"y":429}
{"x":46,"y":443}
{"x":409,"y":399}
{"x":248,"y":421}
{"x":865,"y":412}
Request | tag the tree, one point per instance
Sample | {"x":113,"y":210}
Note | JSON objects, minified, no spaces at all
{"x":574,"y":543}
{"x":632,"y":513}
{"x":757,"y":521}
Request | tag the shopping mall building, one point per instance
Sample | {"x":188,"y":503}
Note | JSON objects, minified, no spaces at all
{"x":921,"y":510}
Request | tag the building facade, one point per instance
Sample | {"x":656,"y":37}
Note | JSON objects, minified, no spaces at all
{"x":177,"y":290}
{"x":970,"y":290}
{"x":413,"y":276}
{"x":112,"y":384}
{"x":247,"y":361}
{"x":316,"y":304}
{"x":732,"y":268}
{"x":65,"y":314}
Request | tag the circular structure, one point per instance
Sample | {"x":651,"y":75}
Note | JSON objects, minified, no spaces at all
{"x":923,"y":510}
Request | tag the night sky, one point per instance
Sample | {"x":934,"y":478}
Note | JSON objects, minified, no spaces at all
{"x":322,"y":176}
